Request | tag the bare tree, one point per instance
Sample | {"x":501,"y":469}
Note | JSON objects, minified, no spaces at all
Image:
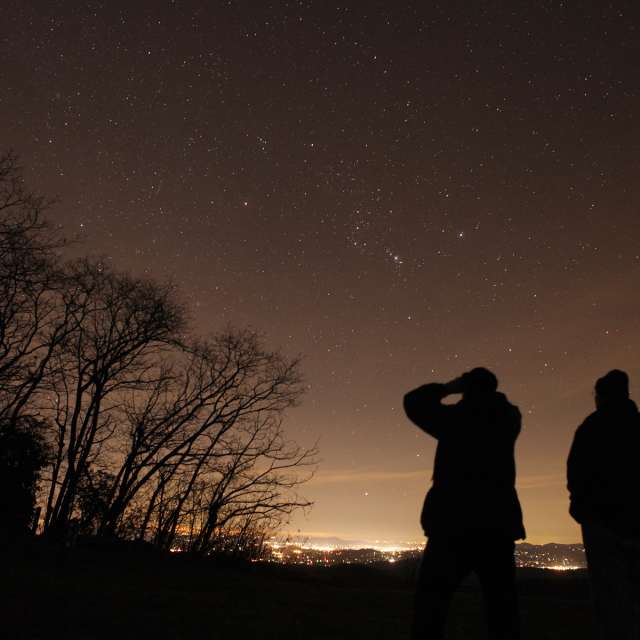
{"x":32,"y":322}
{"x":250,"y":485}
{"x":94,"y":490}
{"x":121,"y":325}
{"x":153,"y":435}
{"x":213,"y":417}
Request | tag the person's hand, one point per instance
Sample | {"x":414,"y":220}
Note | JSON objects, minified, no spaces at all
{"x":454,"y":386}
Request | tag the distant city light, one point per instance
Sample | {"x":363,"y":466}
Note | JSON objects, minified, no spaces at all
{"x":554,"y":557}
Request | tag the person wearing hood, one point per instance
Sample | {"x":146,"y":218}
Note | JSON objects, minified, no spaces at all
{"x":604,"y":487}
{"x":471,"y":514}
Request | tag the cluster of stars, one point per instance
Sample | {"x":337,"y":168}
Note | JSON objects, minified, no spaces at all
{"x":396,"y":195}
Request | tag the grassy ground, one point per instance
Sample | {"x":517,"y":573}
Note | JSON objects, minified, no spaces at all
{"x":115,"y":598}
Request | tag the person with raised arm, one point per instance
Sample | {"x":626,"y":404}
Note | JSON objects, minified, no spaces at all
{"x":471,"y":514}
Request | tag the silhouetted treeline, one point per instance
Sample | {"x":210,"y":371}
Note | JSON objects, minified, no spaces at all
{"x":125,"y":423}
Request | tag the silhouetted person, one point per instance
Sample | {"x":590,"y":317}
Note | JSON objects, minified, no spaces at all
{"x":471,"y":514}
{"x":603,"y":474}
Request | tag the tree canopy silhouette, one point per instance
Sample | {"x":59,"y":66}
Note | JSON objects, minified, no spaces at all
{"x":24,"y":453}
{"x":138,"y":428}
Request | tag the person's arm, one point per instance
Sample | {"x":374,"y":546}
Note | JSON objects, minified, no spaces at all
{"x":576,"y":474}
{"x":516,"y":421}
{"x":424,"y":408}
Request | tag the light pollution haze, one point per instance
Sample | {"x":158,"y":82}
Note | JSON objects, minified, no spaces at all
{"x":400,"y":193}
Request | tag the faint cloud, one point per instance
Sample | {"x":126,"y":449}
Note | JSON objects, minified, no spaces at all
{"x":340,"y":477}
{"x":541,"y":481}
{"x":523,"y":483}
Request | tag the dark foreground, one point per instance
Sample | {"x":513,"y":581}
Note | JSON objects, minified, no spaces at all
{"x":117,"y":596}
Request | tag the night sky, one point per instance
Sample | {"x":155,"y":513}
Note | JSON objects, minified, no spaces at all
{"x":399,"y":191}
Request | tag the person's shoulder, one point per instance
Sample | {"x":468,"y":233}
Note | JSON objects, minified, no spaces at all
{"x":632,"y":410}
{"x":590,"y":424}
{"x":510,"y":409}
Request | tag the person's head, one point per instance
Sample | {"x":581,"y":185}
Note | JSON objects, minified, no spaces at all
{"x":479,"y":382}
{"x":612,"y":388}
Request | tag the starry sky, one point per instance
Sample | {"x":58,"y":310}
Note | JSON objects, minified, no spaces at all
{"x":399,"y":191}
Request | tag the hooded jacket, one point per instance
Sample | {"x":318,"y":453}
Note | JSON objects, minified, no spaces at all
{"x":473,"y":490}
{"x":602,"y":470}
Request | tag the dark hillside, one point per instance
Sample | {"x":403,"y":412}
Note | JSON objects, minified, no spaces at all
{"x":115,"y":596}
